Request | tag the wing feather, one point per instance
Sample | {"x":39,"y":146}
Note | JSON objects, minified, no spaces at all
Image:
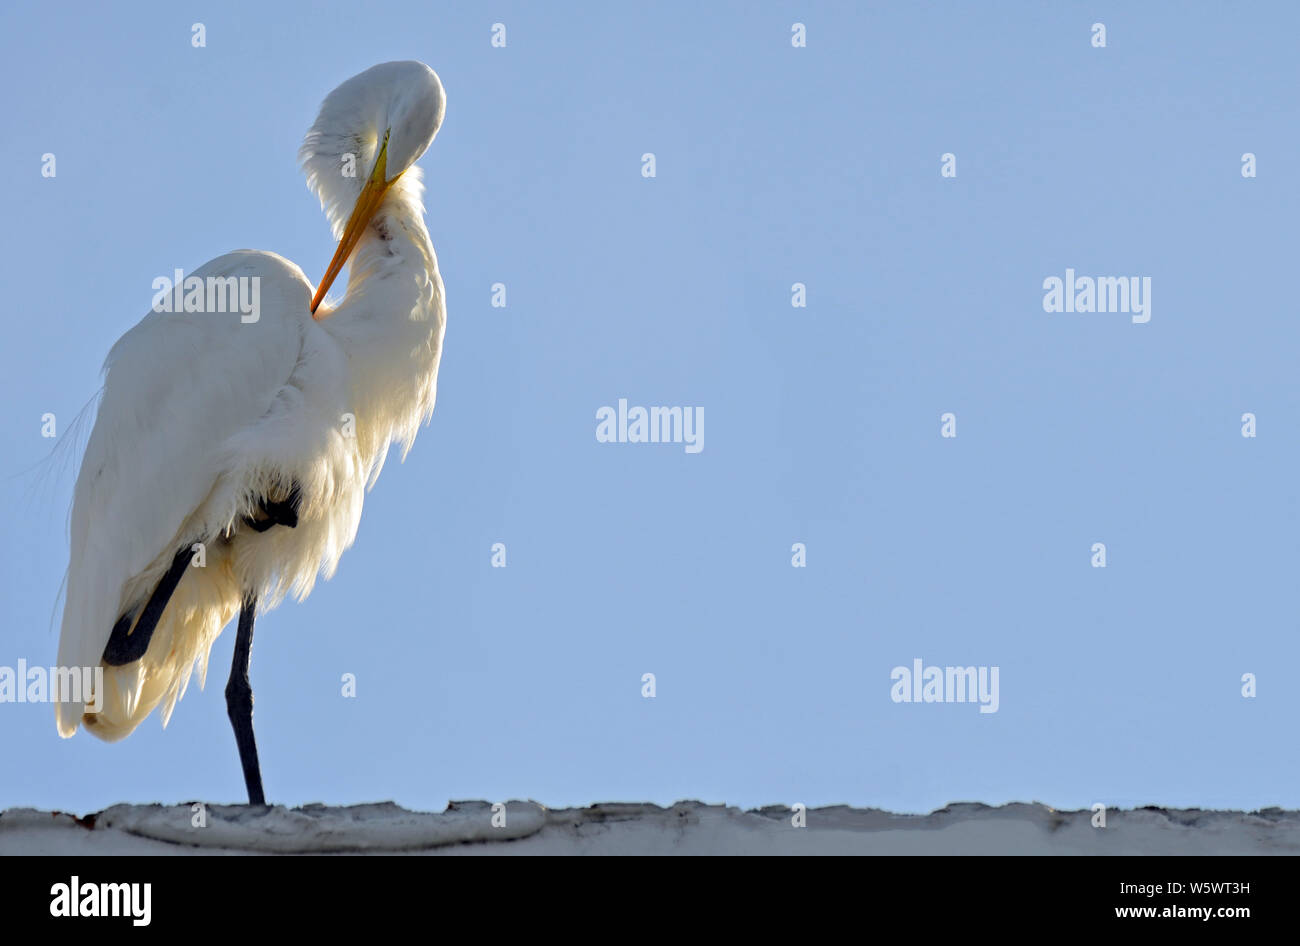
{"x":178,"y":387}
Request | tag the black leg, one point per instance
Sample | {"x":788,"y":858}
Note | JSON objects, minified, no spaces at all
{"x":239,"y":703}
{"x":127,"y":643}
{"x":283,"y":512}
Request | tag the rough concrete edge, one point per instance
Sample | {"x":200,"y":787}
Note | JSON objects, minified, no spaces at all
{"x":388,"y":827}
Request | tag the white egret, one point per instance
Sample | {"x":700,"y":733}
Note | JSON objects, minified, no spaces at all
{"x":230,"y":456}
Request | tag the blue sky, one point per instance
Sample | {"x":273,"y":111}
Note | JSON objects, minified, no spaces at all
{"x":775,"y":165}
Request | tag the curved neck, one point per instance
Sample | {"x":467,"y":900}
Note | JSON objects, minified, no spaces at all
{"x":390,"y":323}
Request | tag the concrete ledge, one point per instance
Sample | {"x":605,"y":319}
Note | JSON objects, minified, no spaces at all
{"x":685,"y":828}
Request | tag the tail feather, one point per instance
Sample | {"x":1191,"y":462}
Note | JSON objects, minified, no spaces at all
{"x":203,"y":602}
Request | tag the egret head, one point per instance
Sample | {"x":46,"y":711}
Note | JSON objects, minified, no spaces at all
{"x":370,"y":131}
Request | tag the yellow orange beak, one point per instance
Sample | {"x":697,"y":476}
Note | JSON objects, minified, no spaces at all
{"x":372,"y":195}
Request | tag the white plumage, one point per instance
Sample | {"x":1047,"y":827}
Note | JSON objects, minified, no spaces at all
{"x":204,"y":416}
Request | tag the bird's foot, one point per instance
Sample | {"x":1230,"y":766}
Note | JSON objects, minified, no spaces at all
{"x":279,"y":512}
